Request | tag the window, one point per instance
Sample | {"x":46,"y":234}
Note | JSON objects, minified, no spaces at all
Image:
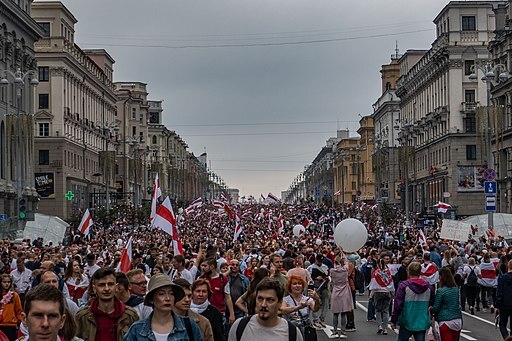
{"x":470,"y":123}
{"x":44,"y":157}
{"x":134,"y":131}
{"x":44,"y":129}
{"x":468,"y":64}
{"x":469,"y":23}
{"x":153,"y":140}
{"x":471,"y":152}
{"x":43,"y":74}
{"x":46,"y":28}
{"x":153,"y":117}
{"x":469,"y":96}
{"x":134,"y":114}
{"x":43,"y":101}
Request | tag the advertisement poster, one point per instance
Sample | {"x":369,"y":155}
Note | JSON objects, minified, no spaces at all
{"x":45,"y":185}
{"x":470,"y":179}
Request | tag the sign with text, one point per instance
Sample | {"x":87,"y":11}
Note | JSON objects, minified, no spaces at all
{"x":45,"y":185}
{"x":455,"y":230}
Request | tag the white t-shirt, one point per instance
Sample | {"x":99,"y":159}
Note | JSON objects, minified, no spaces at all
{"x":160,"y":337}
{"x":255,"y":331}
{"x":467,"y":271}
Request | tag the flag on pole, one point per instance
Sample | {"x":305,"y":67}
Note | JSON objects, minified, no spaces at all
{"x":262,"y":197}
{"x":222,"y":205}
{"x":238,"y":227}
{"x":223,"y":197}
{"x":443,"y":207}
{"x":165,"y":218}
{"x":86,"y":223}
{"x":421,"y":237}
{"x":125,"y":264}
{"x":305,"y":222}
{"x":280,"y":228}
{"x":176,"y":242}
{"x":157,"y":193}
{"x":193,"y":205}
{"x":272,"y":196}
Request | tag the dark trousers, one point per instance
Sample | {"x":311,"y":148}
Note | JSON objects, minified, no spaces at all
{"x":471,"y":295}
{"x":505,"y":315}
{"x":351,"y":324}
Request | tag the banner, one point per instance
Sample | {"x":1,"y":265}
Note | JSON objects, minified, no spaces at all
{"x":455,"y":230}
{"x":45,"y":185}
{"x":470,"y":179}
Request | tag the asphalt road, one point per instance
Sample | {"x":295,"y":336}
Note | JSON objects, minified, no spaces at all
{"x":478,"y":327}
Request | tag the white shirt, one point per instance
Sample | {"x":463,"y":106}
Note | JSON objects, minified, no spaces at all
{"x":21,"y":280}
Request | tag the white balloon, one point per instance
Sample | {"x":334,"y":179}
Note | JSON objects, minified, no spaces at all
{"x":319,"y":242}
{"x":298,"y":230}
{"x":350,"y":234}
{"x":288,"y":223}
{"x":180,"y":210}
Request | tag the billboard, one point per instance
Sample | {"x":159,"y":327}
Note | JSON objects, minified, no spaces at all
{"x":470,"y":179}
{"x":45,"y":185}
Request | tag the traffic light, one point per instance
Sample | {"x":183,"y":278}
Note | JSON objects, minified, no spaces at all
{"x":22,"y":205}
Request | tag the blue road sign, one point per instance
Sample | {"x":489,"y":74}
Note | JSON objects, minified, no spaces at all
{"x":490,"y":187}
{"x":490,"y":203}
{"x":3,"y":217}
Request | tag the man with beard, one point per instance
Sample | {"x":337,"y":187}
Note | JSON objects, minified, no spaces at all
{"x":266,"y":324}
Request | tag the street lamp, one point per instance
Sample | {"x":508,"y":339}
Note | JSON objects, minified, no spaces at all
{"x":137,"y":143}
{"x":378,"y":145}
{"x":490,"y":79}
{"x":105,"y":128}
{"x":405,"y":128}
{"x":19,"y":83}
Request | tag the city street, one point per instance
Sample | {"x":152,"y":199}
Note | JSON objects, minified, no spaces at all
{"x":478,"y":327}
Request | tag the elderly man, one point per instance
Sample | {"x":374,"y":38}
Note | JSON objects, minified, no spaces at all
{"x":138,"y":287}
{"x":49,"y":277}
{"x":21,"y":278}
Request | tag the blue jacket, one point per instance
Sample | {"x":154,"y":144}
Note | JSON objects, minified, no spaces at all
{"x":245,"y":282}
{"x":141,"y":330}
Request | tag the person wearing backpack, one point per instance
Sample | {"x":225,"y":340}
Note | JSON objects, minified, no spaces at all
{"x":266,"y":324}
{"x":471,"y":275}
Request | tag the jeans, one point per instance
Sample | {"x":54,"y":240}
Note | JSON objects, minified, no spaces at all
{"x":371,"y":310}
{"x":382,"y":300}
{"x":504,"y":317}
{"x":404,"y":335}
{"x":471,"y":295}
{"x":324,"y":305}
{"x":487,"y":294}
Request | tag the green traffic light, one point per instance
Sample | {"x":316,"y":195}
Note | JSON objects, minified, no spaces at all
{"x":23,"y":215}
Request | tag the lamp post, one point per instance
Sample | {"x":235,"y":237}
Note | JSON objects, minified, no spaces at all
{"x":378,"y":142}
{"x":492,"y":75}
{"x":137,"y":144}
{"x":406,"y":126}
{"x":19,"y":79}
{"x":105,"y":128}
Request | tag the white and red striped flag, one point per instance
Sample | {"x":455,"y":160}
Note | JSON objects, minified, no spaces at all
{"x":337,"y":193}
{"x":488,"y":272}
{"x":220,"y":204}
{"x":430,"y":273}
{"x":193,"y":205}
{"x":86,"y":223}
{"x":165,"y":218}
{"x":223,"y":197}
{"x":443,"y":207}
{"x":422,"y":239}
{"x":238,"y":227}
{"x":176,"y":242}
{"x":272,"y":196}
{"x":125,"y":264}
{"x":280,"y":228}
{"x":157,"y":193}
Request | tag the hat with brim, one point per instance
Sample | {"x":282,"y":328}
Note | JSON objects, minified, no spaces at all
{"x":159,"y":281}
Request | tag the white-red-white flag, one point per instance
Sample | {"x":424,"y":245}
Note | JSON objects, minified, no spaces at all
{"x":223,"y":197}
{"x":280,"y":228}
{"x":157,"y":193}
{"x":165,"y":218}
{"x":272,"y":196}
{"x":238,"y":227}
{"x":193,"y":205}
{"x":86,"y":223}
{"x":421,"y":237}
{"x":125,"y":264}
{"x":443,"y":207}
{"x":176,"y":242}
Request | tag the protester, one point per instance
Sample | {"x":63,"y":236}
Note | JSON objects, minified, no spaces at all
{"x":201,"y":292}
{"x":382,"y":290}
{"x":266,"y":324}
{"x":446,"y":307}
{"x":504,"y":300}
{"x":11,"y":309}
{"x":413,"y":297}
{"x":163,"y":323}
{"x":471,"y":275}
{"x":341,"y":298}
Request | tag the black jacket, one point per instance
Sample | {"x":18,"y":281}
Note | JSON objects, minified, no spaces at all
{"x":215,"y":317}
{"x":504,"y":292}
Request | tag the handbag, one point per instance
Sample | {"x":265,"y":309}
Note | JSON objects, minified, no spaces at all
{"x":433,"y":333}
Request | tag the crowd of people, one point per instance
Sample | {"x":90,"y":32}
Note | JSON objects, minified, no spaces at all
{"x":263,"y":282}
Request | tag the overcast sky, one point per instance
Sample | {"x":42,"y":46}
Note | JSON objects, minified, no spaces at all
{"x":281,"y":74}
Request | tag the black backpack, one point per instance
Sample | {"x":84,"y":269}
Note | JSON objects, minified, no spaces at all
{"x":292,"y":330}
{"x":472,"y":279}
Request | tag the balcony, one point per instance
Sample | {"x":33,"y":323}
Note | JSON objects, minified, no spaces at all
{"x":469,"y":106}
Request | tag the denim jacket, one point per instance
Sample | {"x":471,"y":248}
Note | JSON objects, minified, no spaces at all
{"x":141,"y":330}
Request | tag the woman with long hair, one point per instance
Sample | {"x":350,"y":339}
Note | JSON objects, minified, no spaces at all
{"x":446,"y":308}
{"x":265,"y":262}
{"x":76,"y":281}
{"x":247,"y":302}
{"x":251,"y":268}
{"x":447,"y":258}
{"x":11,"y":308}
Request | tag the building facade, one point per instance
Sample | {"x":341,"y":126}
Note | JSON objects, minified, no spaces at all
{"x":18,"y":33}
{"x":441,"y":154}
{"x":75,"y":124}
